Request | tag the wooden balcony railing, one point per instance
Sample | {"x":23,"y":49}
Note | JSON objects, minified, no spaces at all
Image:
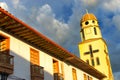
{"x":37,"y":72}
{"x":58,"y":76}
{"x":6,"y":63}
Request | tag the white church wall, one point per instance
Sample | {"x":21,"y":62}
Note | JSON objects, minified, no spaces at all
{"x":46,"y":62}
{"x":21,"y":53}
{"x":79,"y":73}
{"x":68,"y":72}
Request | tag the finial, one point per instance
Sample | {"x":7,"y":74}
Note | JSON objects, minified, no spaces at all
{"x":86,"y":11}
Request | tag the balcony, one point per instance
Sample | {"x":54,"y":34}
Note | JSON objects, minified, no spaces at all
{"x":37,"y":72}
{"x":6,"y":63}
{"x":58,"y":76}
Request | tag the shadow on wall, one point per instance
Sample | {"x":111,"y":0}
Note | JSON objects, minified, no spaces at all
{"x":22,"y":69}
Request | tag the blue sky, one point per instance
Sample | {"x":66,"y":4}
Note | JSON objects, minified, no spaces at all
{"x":59,"y":20}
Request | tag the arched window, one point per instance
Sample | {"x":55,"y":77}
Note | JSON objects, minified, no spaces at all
{"x":83,"y":35}
{"x":95,"y":31}
{"x":98,"y":61}
{"x":93,"y":64}
{"x":74,"y":73}
{"x":86,"y":23}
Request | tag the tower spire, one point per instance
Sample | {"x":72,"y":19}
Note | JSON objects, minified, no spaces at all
{"x":86,"y":11}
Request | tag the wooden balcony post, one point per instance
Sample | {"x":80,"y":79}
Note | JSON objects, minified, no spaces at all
{"x":58,"y":76}
{"x":37,"y":72}
{"x":6,"y":66}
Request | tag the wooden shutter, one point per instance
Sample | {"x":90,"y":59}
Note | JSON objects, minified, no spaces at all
{"x":74,"y":74}
{"x":85,"y":76}
{"x":34,"y":57}
{"x":4,"y":44}
{"x":91,"y":78}
{"x":55,"y":66}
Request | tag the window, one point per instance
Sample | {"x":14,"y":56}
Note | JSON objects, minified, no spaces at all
{"x":95,"y":31}
{"x":93,"y":21}
{"x":4,"y":44}
{"x":34,"y":57}
{"x":98,"y":61}
{"x":90,"y":78}
{"x":86,"y":23}
{"x":83,"y":35}
{"x":92,"y":62}
{"x":81,"y":24}
{"x":74,"y":74}
{"x":55,"y":66}
{"x":35,"y":68}
{"x":85,"y":76}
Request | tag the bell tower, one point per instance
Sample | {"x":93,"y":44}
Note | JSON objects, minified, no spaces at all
{"x":93,"y":48}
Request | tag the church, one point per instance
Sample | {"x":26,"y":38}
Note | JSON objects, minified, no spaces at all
{"x":26,"y":54}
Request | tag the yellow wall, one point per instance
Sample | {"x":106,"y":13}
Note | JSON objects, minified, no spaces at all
{"x":99,"y":44}
{"x":92,"y":40}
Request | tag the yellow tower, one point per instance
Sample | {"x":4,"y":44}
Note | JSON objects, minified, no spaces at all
{"x":93,"y":48}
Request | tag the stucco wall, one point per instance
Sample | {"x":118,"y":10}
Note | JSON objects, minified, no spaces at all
{"x":21,"y":53}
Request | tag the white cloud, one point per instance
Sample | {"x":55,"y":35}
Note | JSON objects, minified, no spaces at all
{"x":116,"y":21}
{"x":74,"y":20}
{"x":57,"y":29}
{"x":112,"y":5}
{"x":117,"y":76}
{"x":90,"y":2}
{"x":4,"y":5}
{"x":68,"y":33}
{"x":17,"y":5}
